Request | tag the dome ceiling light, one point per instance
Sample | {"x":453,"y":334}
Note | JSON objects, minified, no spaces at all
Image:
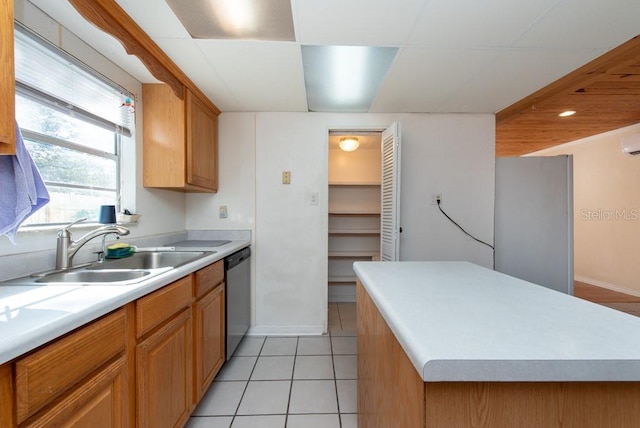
{"x":349,"y":144}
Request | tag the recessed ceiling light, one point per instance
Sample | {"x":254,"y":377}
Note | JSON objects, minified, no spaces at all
{"x":236,"y":19}
{"x":567,"y":113}
{"x":344,"y":78}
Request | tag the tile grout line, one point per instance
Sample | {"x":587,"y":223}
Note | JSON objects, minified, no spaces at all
{"x":247,"y":384}
{"x":293,"y":369}
{"x":335,"y":380}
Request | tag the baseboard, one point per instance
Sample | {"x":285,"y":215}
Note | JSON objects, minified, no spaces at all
{"x":286,"y":330}
{"x":606,"y":285}
{"x":342,"y":299}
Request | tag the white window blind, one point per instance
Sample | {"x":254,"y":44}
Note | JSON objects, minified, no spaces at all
{"x":49,"y":75}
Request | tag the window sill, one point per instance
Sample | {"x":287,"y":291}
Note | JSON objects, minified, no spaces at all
{"x":80,"y":226}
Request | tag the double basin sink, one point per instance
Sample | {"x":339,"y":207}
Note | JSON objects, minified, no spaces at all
{"x":125,"y":271}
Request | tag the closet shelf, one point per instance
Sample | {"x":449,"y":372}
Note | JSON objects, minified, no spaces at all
{"x":353,"y":254}
{"x":354,"y":231}
{"x":353,"y":212}
{"x":352,"y":184}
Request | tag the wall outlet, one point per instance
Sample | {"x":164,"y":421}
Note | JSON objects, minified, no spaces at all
{"x":286,"y":177}
{"x":435,"y":197}
{"x":223,"y":211}
{"x":313,"y":198}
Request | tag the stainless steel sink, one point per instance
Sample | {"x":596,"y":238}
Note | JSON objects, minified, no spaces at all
{"x":151,"y":260}
{"x":94,"y":276}
{"x":126,"y":271}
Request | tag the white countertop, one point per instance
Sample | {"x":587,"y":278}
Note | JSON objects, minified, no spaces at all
{"x":31,"y":316}
{"x":460,"y":322}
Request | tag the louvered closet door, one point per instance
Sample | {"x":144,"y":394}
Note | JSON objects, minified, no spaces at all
{"x":390,"y":194}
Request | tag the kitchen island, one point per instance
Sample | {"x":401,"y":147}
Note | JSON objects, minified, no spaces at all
{"x":452,"y":344}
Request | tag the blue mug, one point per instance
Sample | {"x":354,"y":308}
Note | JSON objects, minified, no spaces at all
{"x":107,"y":214}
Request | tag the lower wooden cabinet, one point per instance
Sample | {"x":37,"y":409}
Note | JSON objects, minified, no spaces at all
{"x":52,"y":371}
{"x":100,"y":402}
{"x":145,"y":364}
{"x":164,"y":374}
{"x":209,"y":339}
{"x":6,"y":396}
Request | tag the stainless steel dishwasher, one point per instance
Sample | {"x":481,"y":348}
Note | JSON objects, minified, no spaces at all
{"x":238,"y":297}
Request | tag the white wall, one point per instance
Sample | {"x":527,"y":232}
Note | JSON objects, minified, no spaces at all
{"x":162,"y":211}
{"x":448,"y":154}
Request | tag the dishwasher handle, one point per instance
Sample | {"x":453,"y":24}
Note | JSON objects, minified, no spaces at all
{"x":236,"y":258}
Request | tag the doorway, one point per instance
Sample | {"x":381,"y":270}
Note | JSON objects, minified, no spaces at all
{"x":353,"y":208}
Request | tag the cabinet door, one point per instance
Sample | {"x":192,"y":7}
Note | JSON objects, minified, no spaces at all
{"x":209,"y":338}
{"x":164,"y":138}
{"x":102,"y":401}
{"x":7,"y":83}
{"x":202,"y":135}
{"x":6,"y":396}
{"x":164,"y":374}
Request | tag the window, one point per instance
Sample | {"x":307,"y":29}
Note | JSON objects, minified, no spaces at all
{"x":73,"y":122}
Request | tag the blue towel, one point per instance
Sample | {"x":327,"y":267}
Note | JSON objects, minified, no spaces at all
{"x":22,"y":191}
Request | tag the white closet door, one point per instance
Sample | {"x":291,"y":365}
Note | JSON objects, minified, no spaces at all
{"x":390,"y":194}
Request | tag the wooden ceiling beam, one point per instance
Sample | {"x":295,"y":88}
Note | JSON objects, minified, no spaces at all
{"x":616,"y":59}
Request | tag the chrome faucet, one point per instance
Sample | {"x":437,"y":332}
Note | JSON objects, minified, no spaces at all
{"x":67,"y":248}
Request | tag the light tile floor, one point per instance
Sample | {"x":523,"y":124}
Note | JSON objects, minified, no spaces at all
{"x":292,"y":382}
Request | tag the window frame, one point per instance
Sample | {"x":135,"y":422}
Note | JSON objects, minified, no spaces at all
{"x":120,"y":132}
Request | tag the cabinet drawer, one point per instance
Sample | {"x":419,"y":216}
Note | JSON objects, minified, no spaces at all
{"x":208,"y":278}
{"x":161,"y":305}
{"x":102,"y":401}
{"x":45,"y":374}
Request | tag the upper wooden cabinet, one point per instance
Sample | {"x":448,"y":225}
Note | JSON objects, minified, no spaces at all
{"x":7,"y":83}
{"x":180,"y":141}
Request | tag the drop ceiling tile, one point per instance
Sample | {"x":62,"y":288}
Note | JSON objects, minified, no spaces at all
{"x":512,"y":76}
{"x":354,"y":22}
{"x":472,"y":23}
{"x":155,"y":17}
{"x":189,"y":57}
{"x":423,"y":79}
{"x":266,"y":76}
{"x":585,"y":24}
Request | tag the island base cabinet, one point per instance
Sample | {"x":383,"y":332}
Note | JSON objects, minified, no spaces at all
{"x":532,"y":404}
{"x":391,"y":393}
{"x":164,"y":374}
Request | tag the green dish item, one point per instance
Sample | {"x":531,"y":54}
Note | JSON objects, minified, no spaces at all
{"x":119,"y":253}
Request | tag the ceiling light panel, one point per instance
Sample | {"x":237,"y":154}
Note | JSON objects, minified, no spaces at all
{"x":236,"y":19}
{"x":344,"y":78}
